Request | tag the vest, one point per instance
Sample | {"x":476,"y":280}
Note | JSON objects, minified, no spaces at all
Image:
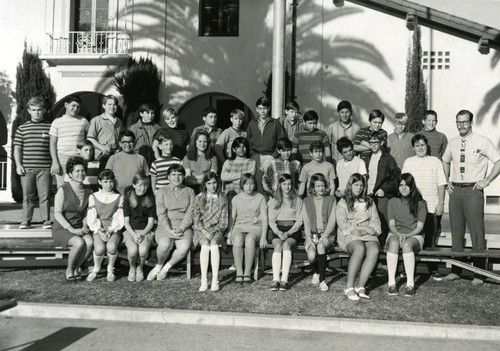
{"x":105,"y":212}
{"x":72,"y":211}
{"x":326,"y":210}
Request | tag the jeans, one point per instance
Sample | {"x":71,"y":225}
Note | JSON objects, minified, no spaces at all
{"x":36,"y":181}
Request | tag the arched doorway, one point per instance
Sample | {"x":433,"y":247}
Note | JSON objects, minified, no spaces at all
{"x":190,"y":111}
{"x":91,"y":105}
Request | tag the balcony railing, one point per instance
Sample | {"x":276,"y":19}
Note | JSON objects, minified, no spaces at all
{"x":84,"y":43}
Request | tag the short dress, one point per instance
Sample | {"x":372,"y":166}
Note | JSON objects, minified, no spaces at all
{"x":210,"y":214}
{"x":285,"y":218}
{"x":399,"y":210}
{"x":348,"y":220}
{"x":248,"y":213}
{"x":138,"y":216}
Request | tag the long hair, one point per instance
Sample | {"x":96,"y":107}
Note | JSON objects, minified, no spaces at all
{"x":148,"y":199}
{"x":317,"y":177}
{"x":246,"y":177}
{"x":349,"y":197}
{"x":278,"y":195}
{"x":208,"y":176}
{"x":414,"y":197}
{"x":237,"y":143}
{"x":192,"y":153}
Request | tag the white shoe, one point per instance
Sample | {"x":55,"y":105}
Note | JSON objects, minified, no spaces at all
{"x":232,"y":268}
{"x":91,"y":277}
{"x":111,"y":276}
{"x":351,"y":294}
{"x":323,"y":286}
{"x":163,"y":274}
{"x":215,"y":286}
{"x":362,"y":293}
{"x":315,"y":279}
{"x":204,"y":286}
{"x":131,"y":275}
{"x":154,"y":273}
{"x":139,"y":274}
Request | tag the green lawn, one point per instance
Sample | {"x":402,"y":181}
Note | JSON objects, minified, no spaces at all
{"x":435,"y":302}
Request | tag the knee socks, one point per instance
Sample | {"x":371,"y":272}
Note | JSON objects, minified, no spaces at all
{"x":97,"y":262}
{"x":322,"y":266}
{"x":276,"y":261}
{"x":287,"y":262}
{"x":111,"y":262}
{"x":409,"y":262}
{"x":392,"y":265}
{"x":215,"y":261}
{"x":204,"y":257}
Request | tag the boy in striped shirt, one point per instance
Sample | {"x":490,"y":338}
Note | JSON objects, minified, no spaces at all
{"x":302,"y":139}
{"x":159,"y":168}
{"x":33,"y":162}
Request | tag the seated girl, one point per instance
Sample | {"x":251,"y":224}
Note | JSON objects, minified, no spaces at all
{"x":285,"y":220}
{"x":406,"y":214}
{"x":139,"y":211}
{"x":174,"y":208}
{"x":210,"y":223}
{"x":358,"y":228}
{"x":319,"y":225}
{"x":249,"y":220}
{"x":105,"y":219}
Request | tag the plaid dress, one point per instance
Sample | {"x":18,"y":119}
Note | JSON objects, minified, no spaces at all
{"x":212,"y":215}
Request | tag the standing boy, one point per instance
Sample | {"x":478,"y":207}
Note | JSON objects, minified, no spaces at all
{"x":348,"y":165}
{"x":304,"y":138}
{"x":174,"y":132}
{"x":317,"y":165}
{"x":33,"y":162}
{"x":125,"y":164}
{"x":105,"y":129}
{"x":281,"y":165}
{"x":65,"y":134}
{"x":344,"y":127}
{"x":362,"y":139}
{"x":209,"y":117}
{"x":399,"y":142}
{"x":224,"y":142}
{"x":144,"y":131}
{"x":437,"y":141}
{"x":291,"y":121}
{"x":159,"y":168}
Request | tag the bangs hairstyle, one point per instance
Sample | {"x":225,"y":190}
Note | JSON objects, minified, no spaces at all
{"x":317,"y":177}
{"x":349,"y":197}
{"x":238,"y":142}
{"x":284,"y":144}
{"x":221,"y":198}
{"x":148,"y":199}
{"x":169,"y":111}
{"x":278,"y":195}
{"x":192,"y":153}
{"x":245,"y":177}
{"x":176,"y":167}
{"x":344,"y":104}
{"x":317,"y":145}
{"x":36,"y":101}
{"x":85,"y":142}
{"x":376,"y":114}
{"x":107,"y":174}
{"x":237,"y":112}
{"x":414,"y":197}
{"x":310,"y":115}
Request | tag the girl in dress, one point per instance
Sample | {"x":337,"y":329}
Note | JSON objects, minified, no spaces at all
{"x":319,"y":225}
{"x":139,"y":211}
{"x":105,"y":219}
{"x":406,"y":214}
{"x":199,"y":159}
{"x":285,"y":220}
{"x":358,"y":230}
{"x":210,"y":223}
{"x":249,"y":220}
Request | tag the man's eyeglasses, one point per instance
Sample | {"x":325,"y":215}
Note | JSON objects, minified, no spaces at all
{"x":463,"y":123}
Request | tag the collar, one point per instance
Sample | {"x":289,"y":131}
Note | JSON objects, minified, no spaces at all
{"x":346,"y":126}
{"x":467,"y":137}
{"x":105,"y":116}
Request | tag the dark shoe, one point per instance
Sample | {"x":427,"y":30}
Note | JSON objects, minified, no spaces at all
{"x":25,"y":225}
{"x":410,"y":291}
{"x":247,"y":279}
{"x":47,"y":225}
{"x":393,"y":291}
{"x":239,"y":279}
{"x":71,"y":278}
{"x":275,"y":285}
{"x":436,"y":276}
{"x":284,"y":286}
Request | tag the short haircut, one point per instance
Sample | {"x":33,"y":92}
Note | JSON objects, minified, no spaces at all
{"x":344,"y":104}
{"x":263,"y":101}
{"x":161,"y":137}
{"x":430,"y":112}
{"x":75,"y":161}
{"x":145,"y":107}
{"x":417,"y":137}
{"x":208,"y":110}
{"x":377,"y":135}
{"x":106,"y":174}
{"x":85,"y":142}
{"x":237,"y":112}
{"x":310,"y":115}
{"x":465,"y":112}
{"x":36,"y":101}
{"x":169,"y":111}
{"x":73,"y":98}
{"x":400,"y":116}
{"x":292,"y":105}
{"x":126,"y":133}
{"x":176,"y":167}
{"x":109,"y":97}
{"x":317,"y":145}
{"x":376,"y":114}
{"x":284,"y":144}
{"x":245,"y":178}
{"x":344,"y":142}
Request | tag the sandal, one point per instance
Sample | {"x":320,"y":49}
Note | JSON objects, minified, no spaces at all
{"x":247,"y":279}
{"x":362,"y":293}
{"x":351,"y":294}
{"x":239,"y":279}
{"x":71,"y":278}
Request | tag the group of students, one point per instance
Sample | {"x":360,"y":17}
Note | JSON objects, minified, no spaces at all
{"x":281,"y":181}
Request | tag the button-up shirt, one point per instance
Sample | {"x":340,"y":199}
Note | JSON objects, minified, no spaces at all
{"x":337,"y":130}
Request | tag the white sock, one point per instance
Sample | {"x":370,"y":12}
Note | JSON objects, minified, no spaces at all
{"x":215,"y":261}
{"x":111,"y":262}
{"x":409,"y":261}
{"x":392,"y":265}
{"x":97,"y":262}
{"x":167,"y":267}
{"x":276,"y":261}
{"x":204,"y":257}
{"x":287,"y":262}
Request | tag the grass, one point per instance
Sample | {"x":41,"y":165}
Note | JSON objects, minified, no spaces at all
{"x":435,"y":302}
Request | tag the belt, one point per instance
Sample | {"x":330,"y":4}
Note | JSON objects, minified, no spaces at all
{"x":463,"y":185}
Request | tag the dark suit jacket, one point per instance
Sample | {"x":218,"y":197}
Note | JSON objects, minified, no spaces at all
{"x":388,"y":174}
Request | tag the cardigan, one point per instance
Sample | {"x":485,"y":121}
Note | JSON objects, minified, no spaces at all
{"x":327,"y":207}
{"x":388,"y":174}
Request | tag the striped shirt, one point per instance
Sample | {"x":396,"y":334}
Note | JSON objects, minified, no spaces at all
{"x":336,"y":130}
{"x":69,"y":131}
{"x":232,"y":171}
{"x":364,"y":134}
{"x":226,"y":139}
{"x":276,"y":168}
{"x":437,"y":142}
{"x":160,"y":167}
{"x":34,"y":140}
{"x":303,"y":138}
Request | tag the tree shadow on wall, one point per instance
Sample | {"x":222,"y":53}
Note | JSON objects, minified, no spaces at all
{"x":491,"y":99}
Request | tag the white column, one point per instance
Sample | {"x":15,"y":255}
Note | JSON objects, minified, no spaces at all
{"x":278,"y":58}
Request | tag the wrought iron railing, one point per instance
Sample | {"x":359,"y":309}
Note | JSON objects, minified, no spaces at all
{"x":87,"y":43}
